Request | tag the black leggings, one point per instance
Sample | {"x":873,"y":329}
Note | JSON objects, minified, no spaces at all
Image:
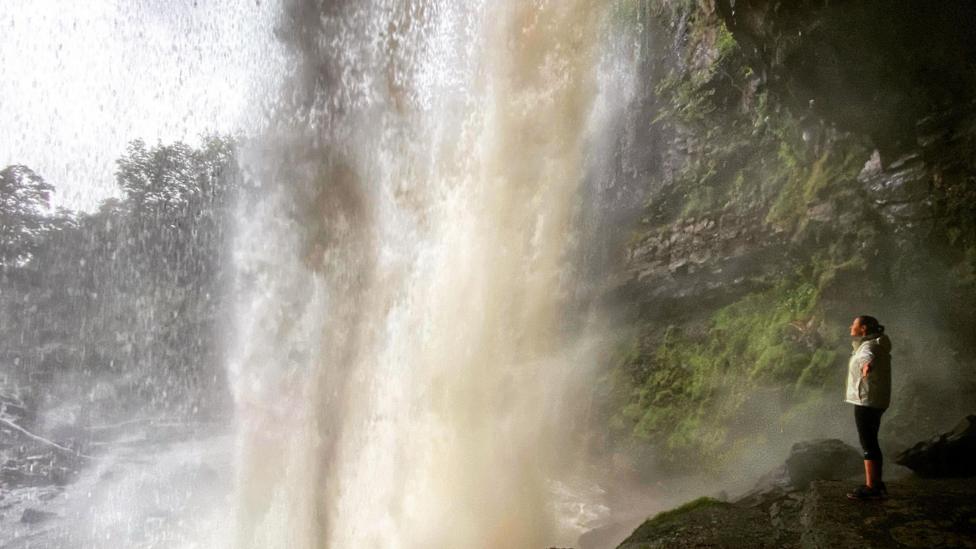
{"x":868,"y":421}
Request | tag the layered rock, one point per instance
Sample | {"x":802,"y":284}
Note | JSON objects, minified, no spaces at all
{"x":873,"y":67}
{"x":714,"y":258}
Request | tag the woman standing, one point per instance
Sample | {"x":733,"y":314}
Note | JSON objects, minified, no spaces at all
{"x":869,"y":390}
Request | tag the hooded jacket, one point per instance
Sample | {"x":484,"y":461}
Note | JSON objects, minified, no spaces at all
{"x":874,"y":390}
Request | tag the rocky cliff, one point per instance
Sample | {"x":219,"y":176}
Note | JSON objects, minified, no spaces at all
{"x":811,"y":161}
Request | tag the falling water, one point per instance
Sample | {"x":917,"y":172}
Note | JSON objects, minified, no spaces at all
{"x":402,"y":365}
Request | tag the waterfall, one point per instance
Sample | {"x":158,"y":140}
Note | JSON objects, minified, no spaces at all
{"x":407,"y":355}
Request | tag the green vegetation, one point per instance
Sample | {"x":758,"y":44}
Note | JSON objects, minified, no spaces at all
{"x":133,"y":291}
{"x":24,"y":199}
{"x":743,"y":152}
{"x":685,"y":389}
{"x":805,"y":184}
{"x":725,"y":43}
{"x":680,"y":389}
{"x":665,"y":516}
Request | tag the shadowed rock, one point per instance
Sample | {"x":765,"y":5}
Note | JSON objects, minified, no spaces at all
{"x":951,"y":454}
{"x":707,"y":522}
{"x":821,"y":459}
{"x":34,"y":516}
{"x":824,"y":459}
{"x":918,"y":513}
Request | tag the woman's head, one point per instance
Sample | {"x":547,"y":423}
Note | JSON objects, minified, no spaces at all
{"x":865,"y":325}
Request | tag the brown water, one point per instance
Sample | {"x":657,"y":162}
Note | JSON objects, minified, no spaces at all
{"x":405,"y":370}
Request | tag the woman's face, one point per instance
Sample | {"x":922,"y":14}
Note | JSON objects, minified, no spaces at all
{"x":858,"y":329}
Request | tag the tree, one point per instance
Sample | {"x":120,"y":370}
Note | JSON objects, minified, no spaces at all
{"x":132,"y":292}
{"x":171,"y":259}
{"x":25,"y":203}
{"x":170,"y":180}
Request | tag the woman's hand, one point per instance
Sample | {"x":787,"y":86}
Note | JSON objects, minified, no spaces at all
{"x":865,"y":370}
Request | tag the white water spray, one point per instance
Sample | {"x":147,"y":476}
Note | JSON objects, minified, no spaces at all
{"x":402,"y":370}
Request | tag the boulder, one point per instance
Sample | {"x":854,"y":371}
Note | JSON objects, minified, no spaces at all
{"x":822,"y":459}
{"x":34,"y":516}
{"x":951,"y":454}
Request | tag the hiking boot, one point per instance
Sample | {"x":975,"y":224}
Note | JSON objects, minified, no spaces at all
{"x":863,"y":493}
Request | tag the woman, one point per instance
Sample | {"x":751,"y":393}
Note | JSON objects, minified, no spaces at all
{"x":869,"y":390}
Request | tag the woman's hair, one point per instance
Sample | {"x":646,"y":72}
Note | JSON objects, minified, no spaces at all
{"x":871,"y":323}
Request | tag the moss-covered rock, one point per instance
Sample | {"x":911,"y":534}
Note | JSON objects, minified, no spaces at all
{"x":775,"y":215}
{"x":918,"y":513}
{"x":706,"y":522}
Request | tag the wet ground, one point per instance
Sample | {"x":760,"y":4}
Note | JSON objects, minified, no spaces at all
{"x":138,"y":495}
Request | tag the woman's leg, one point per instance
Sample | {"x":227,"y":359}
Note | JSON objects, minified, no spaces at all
{"x":868,"y":421}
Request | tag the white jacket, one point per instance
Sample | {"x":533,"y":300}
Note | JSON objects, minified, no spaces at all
{"x":875,"y":390}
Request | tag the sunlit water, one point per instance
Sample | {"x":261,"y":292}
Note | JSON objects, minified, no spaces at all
{"x":409,"y":359}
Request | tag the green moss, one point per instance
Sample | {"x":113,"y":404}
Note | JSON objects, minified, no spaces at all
{"x":725,"y":43}
{"x":700,"y":200}
{"x":805,"y":183}
{"x":665,"y":517}
{"x":745,"y":156}
{"x":686,"y":388}
{"x":817,"y":370}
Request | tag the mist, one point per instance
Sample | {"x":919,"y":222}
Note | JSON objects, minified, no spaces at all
{"x":339,"y":274}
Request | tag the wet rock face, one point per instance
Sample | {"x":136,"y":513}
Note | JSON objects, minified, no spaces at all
{"x":951,"y":454}
{"x":710,"y":258}
{"x":828,"y":159}
{"x":902,"y":192}
{"x":873,"y":67}
{"x":930,"y":185}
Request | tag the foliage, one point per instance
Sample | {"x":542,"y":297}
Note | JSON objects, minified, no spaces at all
{"x":24,"y":203}
{"x":177,"y":196}
{"x":805,"y":184}
{"x":132,"y":292}
{"x":170,"y":180}
{"x":684,"y":390}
